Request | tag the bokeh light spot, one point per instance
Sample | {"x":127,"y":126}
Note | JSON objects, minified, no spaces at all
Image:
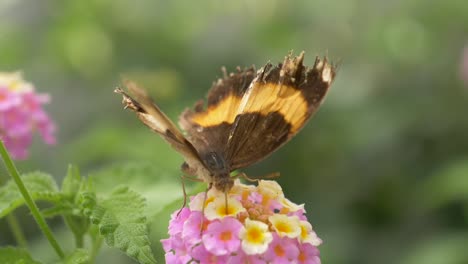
{"x":89,"y":50}
{"x":406,"y":40}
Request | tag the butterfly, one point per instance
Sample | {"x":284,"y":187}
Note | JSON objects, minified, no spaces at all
{"x":248,"y":115}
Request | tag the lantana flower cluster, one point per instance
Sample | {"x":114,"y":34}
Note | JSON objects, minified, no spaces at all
{"x":260,"y":225}
{"x":21,"y":114}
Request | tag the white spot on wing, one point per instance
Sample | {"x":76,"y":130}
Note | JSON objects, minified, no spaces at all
{"x":327,"y":74}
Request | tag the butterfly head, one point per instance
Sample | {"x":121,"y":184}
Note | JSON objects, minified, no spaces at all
{"x":219,"y":170}
{"x":223,"y":183}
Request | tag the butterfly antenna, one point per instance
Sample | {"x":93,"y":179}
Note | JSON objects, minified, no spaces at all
{"x":185,"y":196}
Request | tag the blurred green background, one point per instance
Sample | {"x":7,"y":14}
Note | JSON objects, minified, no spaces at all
{"x":382,"y":168}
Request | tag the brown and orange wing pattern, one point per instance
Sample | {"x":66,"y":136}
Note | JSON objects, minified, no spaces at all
{"x":208,"y":128}
{"x":276,"y":106}
{"x":249,"y":115}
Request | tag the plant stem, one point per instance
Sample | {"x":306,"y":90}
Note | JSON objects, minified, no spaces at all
{"x":95,"y":249}
{"x":16,"y":230}
{"x":78,"y":233}
{"x":79,"y":241}
{"x":29,"y":201}
{"x":15,"y":227}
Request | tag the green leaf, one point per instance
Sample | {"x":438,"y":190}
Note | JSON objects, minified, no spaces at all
{"x":72,"y":185}
{"x":41,"y":186}
{"x":158,"y":185}
{"x":79,"y":256}
{"x":72,"y":182}
{"x":10,"y":255}
{"x":122,"y":222}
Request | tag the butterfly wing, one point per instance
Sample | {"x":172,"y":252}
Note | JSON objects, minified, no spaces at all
{"x":249,"y":115}
{"x":150,"y":114}
{"x":277,"y":104}
{"x":208,"y":129}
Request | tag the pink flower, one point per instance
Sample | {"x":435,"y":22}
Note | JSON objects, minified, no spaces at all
{"x":222,"y":236}
{"x":282,"y":250}
{"x":308,"y":254}
{"x":8,"y":99}
{"x":21,"y":114}
{"x":299,"y":213}
{"x":177,"y":257}
{"x":241,"y":257}
{"x":172,"y":258}
{"x":178,"y":220}
{"x":203,"y":256}
{"x":191,"y":233}
{"x":259,"y":226}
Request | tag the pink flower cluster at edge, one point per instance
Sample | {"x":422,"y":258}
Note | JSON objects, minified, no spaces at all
{"x":260,"y":226}
{"x":21,"y":114}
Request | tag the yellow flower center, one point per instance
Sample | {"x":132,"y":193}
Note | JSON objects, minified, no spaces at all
{"x":209,"y":200}
{"x":283,"y":227}
{"x":286,"y":225}
{"x":255,"y":235}
{"x":230,"y":210}
{"x":303,"y":232}
{"x":14,"y":85}
{"x":221,"y":208}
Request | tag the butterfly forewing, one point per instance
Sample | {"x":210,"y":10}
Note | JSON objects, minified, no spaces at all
{"x":249,"y":115}
{"x":208,"y":128}
{"x":275,"y":107}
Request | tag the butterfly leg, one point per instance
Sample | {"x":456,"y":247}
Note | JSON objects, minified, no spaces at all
{"x":187,"y":170}
{"x":244,"y":176}
{"x":184,"y":191}
{"x":268,"y":176}
{"x":185,"y":195}
{"x":203,"y":207}
{"x":271,"y":175}
{"x":191,"y":178}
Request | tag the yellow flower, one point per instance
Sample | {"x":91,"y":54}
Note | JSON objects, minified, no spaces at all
{"x":14,"y":81}
{"x":290,"y":206}
{"x":196,"y":204}
{"x":242,"y":189}
{"x":285,"y":225}
{"x":270,"y":189}
{"x":308,"y":235}
{"x":255,"y":237}
{"x":217,"y":208}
